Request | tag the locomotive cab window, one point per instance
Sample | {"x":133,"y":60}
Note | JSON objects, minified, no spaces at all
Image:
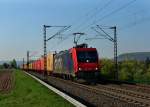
{"x":87,"y":56}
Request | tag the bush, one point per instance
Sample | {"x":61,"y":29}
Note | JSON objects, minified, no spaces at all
{"x":107,"y":68}
{"x":129,"y":70}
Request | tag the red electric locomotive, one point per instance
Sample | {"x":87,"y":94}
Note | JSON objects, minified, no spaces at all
{"x":77,"y":62}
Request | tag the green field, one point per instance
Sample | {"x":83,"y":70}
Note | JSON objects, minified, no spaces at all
{"x":27,"y":92}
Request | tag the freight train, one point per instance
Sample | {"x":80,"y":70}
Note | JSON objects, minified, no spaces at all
{"x":79,"y":62}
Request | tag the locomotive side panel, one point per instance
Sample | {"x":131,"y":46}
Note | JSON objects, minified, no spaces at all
{"x":67,"y":60}
{"x":63,"y":63}
{"x":74,"y":58}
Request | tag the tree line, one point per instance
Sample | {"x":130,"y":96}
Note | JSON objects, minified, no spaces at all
{"x":11,"y":64}
{"x":128,"y":70}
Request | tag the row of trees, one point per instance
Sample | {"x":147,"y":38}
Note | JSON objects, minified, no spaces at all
{"x":11,"y":64}
{"x":129,"y":70}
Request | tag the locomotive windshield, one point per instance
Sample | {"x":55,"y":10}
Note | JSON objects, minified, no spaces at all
{"x":87,"y":56}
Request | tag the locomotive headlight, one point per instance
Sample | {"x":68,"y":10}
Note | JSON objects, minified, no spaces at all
{"x":80,"y":69}
{"x":96,"y":68}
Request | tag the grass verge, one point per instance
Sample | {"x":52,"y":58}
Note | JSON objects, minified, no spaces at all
{"x":27,"y":92}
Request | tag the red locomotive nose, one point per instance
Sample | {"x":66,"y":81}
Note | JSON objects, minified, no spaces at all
{"x":88,"y":66}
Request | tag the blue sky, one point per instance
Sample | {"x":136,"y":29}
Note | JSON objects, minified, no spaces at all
{"x":21,"y":25}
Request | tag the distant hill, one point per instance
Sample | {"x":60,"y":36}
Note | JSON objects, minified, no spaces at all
{"x":140,"y":56}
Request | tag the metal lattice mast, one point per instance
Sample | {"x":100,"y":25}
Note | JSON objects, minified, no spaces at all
{"x":27,"y":60}
{"x":115,"y":52}
{"x":46,"y":40}
{"x":23,"y":64}
{"x":45,"y":50}
{"x":112,"y":39}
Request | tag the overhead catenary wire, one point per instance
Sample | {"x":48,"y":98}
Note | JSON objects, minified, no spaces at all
{"x":132,"y":24}
{"x":111,"y":13}
{"x":106,"y":34}
{"x":91,"y":16}
{"x":64,"y":28}
{"x":102,"y":18}
{"x":94,"y":13}
{"x":107,"y":15}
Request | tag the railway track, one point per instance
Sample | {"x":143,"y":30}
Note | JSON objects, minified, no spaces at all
{"x":137,"y":87}
{"x":102,"y":95}
{"x":131,"y":93}
{"x":146,"y":88}
{"x":125,"y":98}
{"x":143,"y":88}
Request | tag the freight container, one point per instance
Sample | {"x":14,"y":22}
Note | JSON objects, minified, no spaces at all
{"x":42,"y":64}
{"x":36,"y":65}
{"x":30,"y":66}
{"x":25,"y":66}
{"x":50,"y":60}
{"x":33,"y":65}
